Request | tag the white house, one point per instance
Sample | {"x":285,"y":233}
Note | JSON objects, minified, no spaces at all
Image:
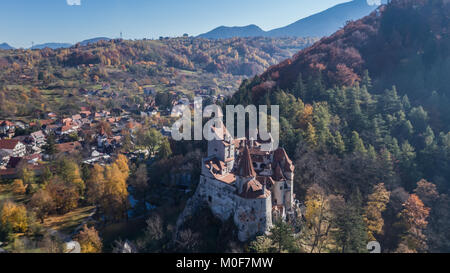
{"x":38,"y":138}
{"x":14,"y":147}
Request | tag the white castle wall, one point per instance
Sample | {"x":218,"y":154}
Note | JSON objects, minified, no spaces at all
{"x":251,"y":216}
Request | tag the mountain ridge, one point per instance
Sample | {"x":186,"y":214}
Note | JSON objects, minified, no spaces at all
{"x":5,"y":46}
{"x":317,"y":25}
{"x":51,"y":45}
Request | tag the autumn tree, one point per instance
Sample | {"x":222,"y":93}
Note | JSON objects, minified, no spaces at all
{"x":115,"y":201}
{"x":15,"y":216}
{"x":318,"y":217}
{"x":376,"y":205}
{"x":18,"y":187}
{"x":42,"y":204}
{"x":89,"y":240}
{"x":427,"y":192}
{"x":95,"y":185}
{"x":414,"y":216}
{"x":69,"y":172}
{"x":262,"y":244}
{"x":64,"y":195}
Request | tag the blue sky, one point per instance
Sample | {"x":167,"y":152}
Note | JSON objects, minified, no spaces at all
{"x":41,"y":21}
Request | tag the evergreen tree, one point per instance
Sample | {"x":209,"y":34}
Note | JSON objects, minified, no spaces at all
{"x":350,"y":233}
{"x":282,"y":236}
{"x":311,"y":137}
{"x":299,"y":90}
{"x":357,"y":144}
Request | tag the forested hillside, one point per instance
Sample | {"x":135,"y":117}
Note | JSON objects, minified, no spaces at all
{"x":365,"y":116}
{"x":44,"y":80}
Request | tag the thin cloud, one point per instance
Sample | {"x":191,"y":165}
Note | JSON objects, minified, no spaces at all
{"x":74,"y":2}
{"x":374,"y":2}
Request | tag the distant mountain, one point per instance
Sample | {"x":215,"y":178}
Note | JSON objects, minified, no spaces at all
{"x":230,"y":32}
{"x":318,"y":25}
{"x":5,"y":46}
{"x":67,"y":45}
{"x":94,"y":40}
{"x":326,"y":22}
{"x":52,"y":46}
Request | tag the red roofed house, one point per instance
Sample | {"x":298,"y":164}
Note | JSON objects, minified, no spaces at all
{"x":6,"y":126}
{"x":67,"y":130}
{"x":13,"y":146}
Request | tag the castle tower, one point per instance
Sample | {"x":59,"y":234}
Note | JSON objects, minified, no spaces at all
{"x":284,"y":171}
{"x":222,"y":146}
{"x":245,"y":171}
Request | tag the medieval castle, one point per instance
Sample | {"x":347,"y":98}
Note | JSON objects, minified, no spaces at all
{"x":242,"y":181}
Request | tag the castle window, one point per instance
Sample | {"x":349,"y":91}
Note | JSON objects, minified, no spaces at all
{"x":210,"y":199}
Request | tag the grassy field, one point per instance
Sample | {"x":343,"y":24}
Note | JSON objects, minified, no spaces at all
{"x":67,"y":223}
{"x":6,"y":193}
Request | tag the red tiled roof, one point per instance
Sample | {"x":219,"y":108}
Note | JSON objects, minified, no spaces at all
{"x":245,"y":168}
{"x":254,"y":190}
{"x":265,"y":180}
{"x":228,"y":179}
{"x":7,"y":123}
{"x":46,"y":121}
{"x":278,"y":173}
{"x":281,"y":157}
{"x":66,"y":128}
{"x":8,"y":144}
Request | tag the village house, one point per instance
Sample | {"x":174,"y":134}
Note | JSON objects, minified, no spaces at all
{"x":4,"y":157}
{"x":66,"y":130}
{"x":13,"y":146}
{"x":38,"y":139}
{"x":52,"y":115}
{"x":7,"y":127}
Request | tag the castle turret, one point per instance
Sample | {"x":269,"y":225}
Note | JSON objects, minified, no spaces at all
{"x":245,"y":171}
